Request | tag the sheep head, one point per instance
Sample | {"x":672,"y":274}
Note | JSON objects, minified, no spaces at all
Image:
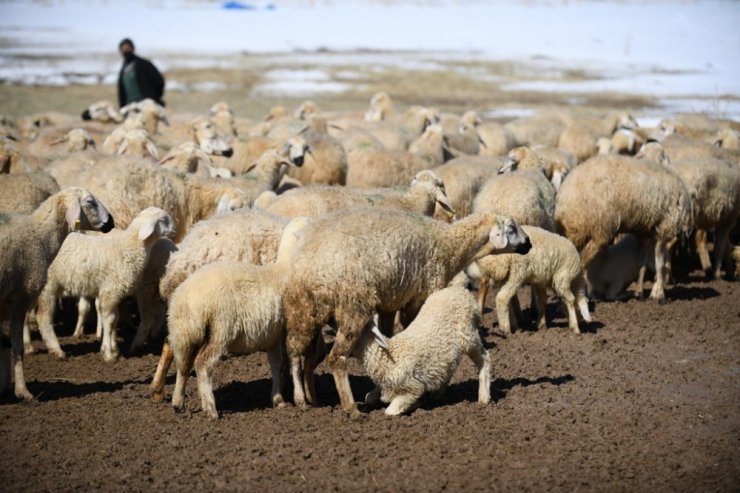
{"x":203,"y":133}
{"x":85,"y":212}
{"x":507,"y":236}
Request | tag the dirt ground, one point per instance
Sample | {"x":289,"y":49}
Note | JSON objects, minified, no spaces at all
{"x":645,"y":400}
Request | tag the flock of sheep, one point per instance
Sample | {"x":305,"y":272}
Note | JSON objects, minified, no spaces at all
{"x":241,"y":236}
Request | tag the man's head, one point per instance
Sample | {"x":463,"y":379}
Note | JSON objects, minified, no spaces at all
{"x":126,"y":47}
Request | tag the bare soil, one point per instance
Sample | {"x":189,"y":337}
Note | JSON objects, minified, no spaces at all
{"x":646,"y":399}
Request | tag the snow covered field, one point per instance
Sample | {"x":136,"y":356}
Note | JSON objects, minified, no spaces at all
{"x":686,"y":53}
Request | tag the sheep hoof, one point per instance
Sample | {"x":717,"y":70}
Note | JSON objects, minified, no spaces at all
{"x":29,"y":349}
{"x":59,"y":354}
{"x":157,"y":396}
{"x":110,"y":357}
{"x":24,"y":397}
{"x":662,"y":301}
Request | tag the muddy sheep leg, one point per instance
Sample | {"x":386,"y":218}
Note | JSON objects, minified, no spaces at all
{"x":157,"y":385}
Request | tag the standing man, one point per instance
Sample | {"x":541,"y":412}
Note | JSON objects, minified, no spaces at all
{"x":139,"y":79}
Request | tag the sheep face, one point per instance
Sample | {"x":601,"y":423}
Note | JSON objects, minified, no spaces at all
{"x":508,"y":237}
{"x":436,"y":186}
{"x":232,"y":201}
{"x":295,"y":150}
{"x":652,"y":151}
{"x":515,"y":156}
{"x":153,"y":223}
{"x":204,"y":134}
{"x":84,"y":212}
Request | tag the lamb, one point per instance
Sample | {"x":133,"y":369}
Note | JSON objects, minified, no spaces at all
{"x":261,"y":326}
{"x":608,"y":195}
{"x":423,"y":358}
{"x":203,"y":132}
{"x":24,"y":192}
{"x":426,"y":190}
{"x":145,"y":114}
{"x":348,"y":265}
{"x":553,"y":262}
{"x":104,"y":267}
{"x":130,"y":186}
{"x":615,"y":267}
{"x":29,"y":244}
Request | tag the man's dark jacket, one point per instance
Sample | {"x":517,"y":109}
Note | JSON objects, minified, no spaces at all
{"x":151,"y":82}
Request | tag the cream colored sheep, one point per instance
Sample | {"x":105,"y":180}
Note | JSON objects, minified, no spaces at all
{"x":553,"y":262}
{"x":426,"y":191}
{"x":200,"y":130}
{"x":608,"y":195}
{"x":223,"y":118}
{"x":102,"y":111}
{"x":463,"y":177}
{"x":189,"y":158}
{"x":497,"y":139}
{"x":105,"y":267}
{"x":55,"y":143}
{"x":137,"y":143}
{"x":29,"y":244}
{"x":348,"y":265}
{"x":466,"y":140}
{"x":264,"y":175}
{"x":554,"y":168}
{"x":617,"y":266}
{"x":22,"y":193}
{"x":130,"y":185}
{"x":727,"y":139}
{"x":381,"y":108}
{"x":423,"y":358}
{"x":326,"y":162}
{"x":230,"y":254}
{"x":542,"y":128}
{"x":383,"y":168}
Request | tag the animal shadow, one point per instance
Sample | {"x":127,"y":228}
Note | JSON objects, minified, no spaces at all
{"x":501,"y":386}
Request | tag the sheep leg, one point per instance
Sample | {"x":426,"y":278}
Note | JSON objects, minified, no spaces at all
{"x":658,"y":291}
{"x":312,"y":358}
{"x":700,"y":239}
{"x":27,"y":346}
{"x":721,"y":240}
{"x":373,"y":397}
{"x":644,"y":251}
{"x":296,"y":372}
{"x":565,"y":291}
{"x":109,"y":347}
{"x":16,"y":343}
{"x":99,"y":320}
{"x":45,"y":317}
{"x":482,"y":361}
{"x":515,"y":314}
{"x":540,"y":297}
{"x":152,"y":311}
{"x":157,"y":385}
{"x":83,"y":309}
{"x":204,"y":363}
{"x":503,"y":297}
{"x":483,"y":293}
{"x":275,"y":358}
{"x":400,"y":404}
{"x":347,"y":336}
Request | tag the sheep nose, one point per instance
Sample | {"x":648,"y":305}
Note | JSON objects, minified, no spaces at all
{"x":298,"y":161}
{"x":523,"y":248}
{"x":228,"y":152}
{"x":109,"y":224}
{"x":86,"y":115}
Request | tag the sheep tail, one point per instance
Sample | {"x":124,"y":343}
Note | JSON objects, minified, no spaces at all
{"x":581,"y":300}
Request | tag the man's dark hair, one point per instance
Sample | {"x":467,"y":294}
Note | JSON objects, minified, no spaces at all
{"x":126,"y":41}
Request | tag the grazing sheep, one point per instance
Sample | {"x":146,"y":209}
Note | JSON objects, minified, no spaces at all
{"x":29,"y":244}
{"x":543,"y":128}
{"x":22,"y":193}
{"x":426,"y":190}
{"x":615,"y":267}
{"x":463,"y":177}
{"x":553,"y":262}
{"x":104,"y":267}
{"x":348,"y":265}
{"x":608,"y":195}
{"x":129,"y":185}
{"x":54,"y":143}
{"x":423,"y":358}
{"x":102,"y":111}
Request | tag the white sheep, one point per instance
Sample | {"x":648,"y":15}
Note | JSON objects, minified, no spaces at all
{"x":243,"y":314}
{"x":349,"y":265}
{"x":104,"y":267}
{"x":29,"y":244}
{"x":553,"y":262}
{"x":617,"y":266}
{"x":463,"y":177}
{"x":264,"y":175}
{"x":22,"y":193}
{"x":426,"y":191}
{"x":612,"y":194}
{"x":327,"y":161}
{"x":189,"y":158}
{"x":422,"y":358}
{"x":102,"y":111}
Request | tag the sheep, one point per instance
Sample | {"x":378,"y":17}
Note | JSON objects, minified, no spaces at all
{"x":463,"y":177}
{"x":553,"y":262}
{"x":497,"y":139}
{"x":202,"y":131}
{"x":306,"y":110}
{"x":423,"y":358}
{"x":350,"y":264}
{"x":49,"y":143}
{"x":383,"y":168}
{"x":245,"y":153}
{"x":543,"y":128}
{"x":104,"y":267}
{"x":327,"y":161}
{"x":137,"y":143}
{"x":426,"y":190}
{"x":381,"y":108}
{"x":727,"y":138}
{"x":615,"y":267}
{"x":102,"y":111}
{"x":248,"y":237}
{"x":608,"y":195}
{"x":525,"y":158}
{"x":223,"y":118}
{"x":130,"y":185}
{"x":466,"y":140}
{"x":29,"y":244}
{"x":189,"y":158}
{"x":264,"y":175}
{"x":714,"y":187}
{"x":145,"y":114}
{"x":22,"y":193}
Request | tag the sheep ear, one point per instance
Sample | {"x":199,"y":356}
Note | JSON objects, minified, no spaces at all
{"x":73,"y":215}
{"x":251,"y":167}
{"x":223,"y":205}
{"x":123,"y":147}
{"x":443,"y":201}
{"x":147,"y":230}
{"x":378,"y":337}
{"x":168,"y":157}
{"x":336,"y":127}
{"x":303,"y":130}
{"x":557,"y":179}
{"x":152,"y":150}
{"x":61,"y":140}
